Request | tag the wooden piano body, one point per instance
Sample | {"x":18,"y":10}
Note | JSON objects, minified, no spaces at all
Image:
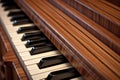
{"x":86,"y":33}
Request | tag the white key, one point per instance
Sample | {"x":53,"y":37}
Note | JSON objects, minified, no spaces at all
{"x":22,"y":48}
{"x":13,"y":29}
{"x":18,"y":42}
{"x":78,"y":78}
{"x":44,"y":75}
{"x":36,"y":70}
{"x":37,"y":60}
{"x":26,"y":55}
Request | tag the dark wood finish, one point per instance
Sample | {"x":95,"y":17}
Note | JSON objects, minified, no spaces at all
{"x":10,"y":71}
{"x":100,"y":12}
{"x":115,"y":2}
{"x":92,"y":58}
{"x":2,"y":74}
{"x":95,"y":29}
{"x":11,"y":68}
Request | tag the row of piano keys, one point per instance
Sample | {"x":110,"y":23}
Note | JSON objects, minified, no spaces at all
{"x":38,"y":47}
{"x":10,"y":68}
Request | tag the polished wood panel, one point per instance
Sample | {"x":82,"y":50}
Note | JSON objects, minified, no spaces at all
{"x":92,"y":58}
{"x":115,"y":2}
{"x":98,"y":11}
{"x":11,"y":66}
{"x":95,"y":29}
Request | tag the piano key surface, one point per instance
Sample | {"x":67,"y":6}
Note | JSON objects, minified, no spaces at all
{"x":30,"y":61}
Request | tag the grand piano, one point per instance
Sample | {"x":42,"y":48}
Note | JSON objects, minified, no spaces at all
{"x":60,"y":40}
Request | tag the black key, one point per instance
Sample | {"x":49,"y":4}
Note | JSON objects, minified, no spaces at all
{"x":21,"y":22}
{"x":11,"y":8}
{"x":19,"y":18}
{"x":27,"y":29}
{"x":31,"y":38}
{"x":52,"y":61}
{"x":22,"y":16}
{"x":32,"y":35}
{"x":8,"y":4}
{"x":7,"y":1}
{"x":36,"y":42}
{"x":15,"y":13}
{"x":3,"y":1}
{"x":42,"y":49}
{"x":65,"y":74}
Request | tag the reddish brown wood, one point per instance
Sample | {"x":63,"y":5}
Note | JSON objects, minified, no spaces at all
{"x":115,"y":2}
{"x":12,"y":68}
{"x":95,"y":29}
{"x":92,"y":58}
{"x":10,"y":71}
{"x":105,"y":15}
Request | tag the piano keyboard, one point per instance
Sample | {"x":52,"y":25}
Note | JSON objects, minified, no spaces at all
{"x":40,"y":57}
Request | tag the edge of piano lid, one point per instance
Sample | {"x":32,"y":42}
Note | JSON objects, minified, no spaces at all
{"x":92,"y":58}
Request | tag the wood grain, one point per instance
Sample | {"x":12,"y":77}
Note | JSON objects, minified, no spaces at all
{"x":105,"y":15}
{"x":97,"y":30}
{"x":87,"y":54}
{"x":10,"y":58}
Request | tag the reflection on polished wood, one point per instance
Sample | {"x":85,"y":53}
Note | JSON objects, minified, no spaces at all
{"x":11,"y":68}
{"x":92,"y":58}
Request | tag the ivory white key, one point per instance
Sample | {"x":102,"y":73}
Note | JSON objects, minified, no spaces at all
{"x":22,"y":48}
{"x":36,"y":75}
{"x":17,"y":41}
{"x":78,"y":78}
{"x":37,"y":60}
{"x":34,"y":69}
{"x":15,"y":35}
{"x":26,"y":55}
{"x":13,"y":29}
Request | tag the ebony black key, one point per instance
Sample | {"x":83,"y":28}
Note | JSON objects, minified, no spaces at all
{"x":27,"y":29}
{"x":6,"y":1}
{"x":15,"y":13}
{"x":22,"y":16}
{"x":8,"y":4}
{"x":42,"y":49}
{"x":52,"y":61}
{"x":65,"y":74}
{"x":21,"y":22}
{"x":18,"y":18}
{"x":11,"y":8}
{"x":3,"y":1}
{"x":32,"y":35}
{"x":31,"y":38}
{"x":36,"y":42}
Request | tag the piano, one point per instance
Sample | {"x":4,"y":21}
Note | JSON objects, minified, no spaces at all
{"x":59,"y":40}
